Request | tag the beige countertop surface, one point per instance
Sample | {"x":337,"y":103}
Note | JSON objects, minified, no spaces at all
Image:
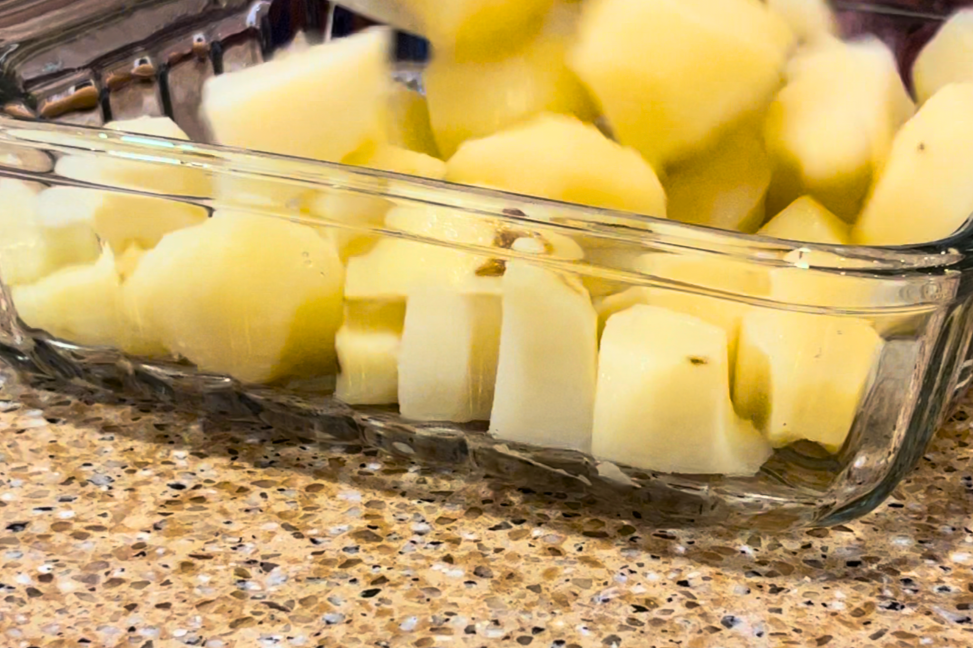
{"x":128,"y":525}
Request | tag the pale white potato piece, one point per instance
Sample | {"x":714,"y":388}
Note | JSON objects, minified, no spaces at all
{"x":808,"y":221}
{"x":471,"y":99}
{"x":724,"y":185}
{"x":548,"y":357}
{"x":320,"y":103}
{"x":924,"y":192}
{"x":254,"y":297}
{"x":79,"y":304}
{"x":803,"y":376}
{"x":947,"y":58}
{"x":830,"y":129}
{"x":32,"y":246}
{"x":119,"y":219}
{"x":561,"y":158}
{"x":448,"y":362}
{"x":368,"y":345}
{"x":663,"y":399}
{"x":810,"y":20}
{"x":671,"y":74}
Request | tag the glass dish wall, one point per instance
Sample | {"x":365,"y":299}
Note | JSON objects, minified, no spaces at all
{"x":694,"y":376}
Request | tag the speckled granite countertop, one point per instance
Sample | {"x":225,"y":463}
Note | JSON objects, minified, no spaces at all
{"x":127,"y":526}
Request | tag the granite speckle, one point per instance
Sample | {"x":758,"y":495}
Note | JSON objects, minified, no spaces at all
{"x":129,"y":525}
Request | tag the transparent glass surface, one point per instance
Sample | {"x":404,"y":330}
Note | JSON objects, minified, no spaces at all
{"x":550,"y":344}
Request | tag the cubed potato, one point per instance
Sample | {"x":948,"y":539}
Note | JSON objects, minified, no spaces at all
{"x":663,"y":398}
{"x":119,"y":219}
{"x":32,"y":246}
{"x":808,"y":221}
{"x":477,"y":29}
{"x":408,"y":122}
{"x":803,"y":376}
{"x":560,"y":158}
{"x":474,"y":99}
{"x":724,"y":185}
{"x":448,"y":362}
{"x":79,"y":303}
{"x":947,"y":58}
{"x":257,"y":298}
{"x":809,"y":20}
{"x":546,"y":375}
{"x":322,"y":103}
{"x":366,"y":209}
{"x":167,"y":177}
{"x":924,"y":192}
{"x":671,"y":74}
{"x":830,"y":129}
{"x":368,"y":344}
{"x":396,"y":267}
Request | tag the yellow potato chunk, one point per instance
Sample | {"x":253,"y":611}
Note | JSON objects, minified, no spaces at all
{"x":366,"y":209}
{"x":254,"y":297}
{"x":724,"y":185}
{"x":448,"y":362}
{"x":808,"y":221}
{"x":670,"y":74}
{"x":32,"y":246}
{"x":474,"y":99}
{"x":546,"y":376}
{"x":320,"y":103}
{"x":663,"y":400}
{"x":810,"y":20}
{"x":79,"y":304}
{"x":802,"y":376}
{"x":170,"y":179}
{"x":560,"y":158}
{"x":368,"y":345}
{"x":478,"y":28}
{"x":409,"y":126}
{"x":947,"y":58}
{"x":119,"y":219}
{"x":830,"y":128}
{"x":924,"y":192}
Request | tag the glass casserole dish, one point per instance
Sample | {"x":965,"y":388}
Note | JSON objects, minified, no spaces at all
{"x":782,"y":384}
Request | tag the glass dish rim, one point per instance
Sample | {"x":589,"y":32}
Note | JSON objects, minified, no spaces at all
{"x":954,"y":253}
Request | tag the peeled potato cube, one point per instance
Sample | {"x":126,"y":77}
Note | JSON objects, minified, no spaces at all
{"x":546,"y":374}
{"x":322,"y":103}
{"x":170,"y":179}
{"x":809,"y":20}
{"x":394,"y":268}
{"x":32,"y":246}
{"x":409,"y":126}
{"x":947,"y":58}
{"x":79,"y":304}
{"x":808,"y":221}
{"x":448,"y":362}
{"x":830,"y":129}
{"x":369,"y":366}
{"x":802,"y":376}
{"x":924,"y":192}
{"x":478,"y":28}
{"x":257,"y":298}
{"x":560,"y":158}
{"x":367,"y":210}
{"x":118,"y":218}
{"x":474,"y":99}
{"x":723,"y":186}
{"x":368,"y":345}
{"x":671,"y":74}
{"x":663,"y":399}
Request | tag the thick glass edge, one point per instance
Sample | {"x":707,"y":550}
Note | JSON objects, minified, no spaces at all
{"x":652,"y":233}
